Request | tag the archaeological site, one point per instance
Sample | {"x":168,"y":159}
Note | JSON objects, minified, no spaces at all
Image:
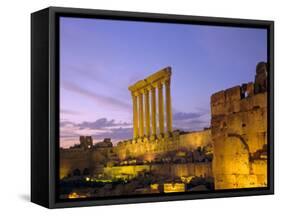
{"x":229,"y":154}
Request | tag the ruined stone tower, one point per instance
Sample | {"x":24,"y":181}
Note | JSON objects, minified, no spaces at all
{"x":239,"y":133}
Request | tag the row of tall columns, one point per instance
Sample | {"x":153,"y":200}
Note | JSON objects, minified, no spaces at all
{"x":145,"y":111}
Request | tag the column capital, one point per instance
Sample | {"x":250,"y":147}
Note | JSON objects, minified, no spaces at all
{"x":146,"y":90}
{"x":167,"y":81}
{"x":141,"y":91}
{"x":134,"y":93}
{"x":149,"y":88}
{"x":154,"y":85}
{"x":160,"y":84}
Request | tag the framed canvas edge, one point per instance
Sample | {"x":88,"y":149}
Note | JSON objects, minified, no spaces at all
{"x":53,"y":70}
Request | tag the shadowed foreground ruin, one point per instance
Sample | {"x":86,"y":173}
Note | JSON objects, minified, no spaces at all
{"x":231,"y":154}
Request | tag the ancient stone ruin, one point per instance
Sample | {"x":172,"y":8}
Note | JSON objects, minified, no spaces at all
{"x":239,"y":134}
{"x":233,"y":151}
{"x":147,"y":88}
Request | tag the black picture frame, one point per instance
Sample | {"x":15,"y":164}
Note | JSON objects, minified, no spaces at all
{"x":45,"y":104}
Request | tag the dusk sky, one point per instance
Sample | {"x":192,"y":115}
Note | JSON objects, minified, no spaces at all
{"x":99,"y":59}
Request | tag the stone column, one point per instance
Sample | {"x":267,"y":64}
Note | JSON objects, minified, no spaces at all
{"x":147,"y":113}
{"x":160,"y":108}
{"x":153,"y":110}
{"x":135,"y":115}
{"x":168,"y":107}
{"x":141,"y":125}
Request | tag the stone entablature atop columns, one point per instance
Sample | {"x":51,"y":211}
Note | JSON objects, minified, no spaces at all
{"x":145,"y":111}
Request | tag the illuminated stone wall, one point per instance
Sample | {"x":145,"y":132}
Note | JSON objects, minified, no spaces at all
{"x":239,"y":132}
{"x":195,"y":139}
{"x":81,"y":159}
{"x":95,"y":159}
{"x":72,"y":159}
{"x":149,"y":149}
{"x":172,"y":170}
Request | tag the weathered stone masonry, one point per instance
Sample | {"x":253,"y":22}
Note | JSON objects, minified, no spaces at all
{"x":239,"y":133}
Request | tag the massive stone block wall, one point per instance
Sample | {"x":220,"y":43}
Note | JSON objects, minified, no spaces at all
{"x":95,"y":159}
{"x":81,"y":159}
{"x":149,"y":149}
{"x":71,"y":160}
{"x":193,"y":140}
{"x":171,"y":170}
{"x":239,"y":133}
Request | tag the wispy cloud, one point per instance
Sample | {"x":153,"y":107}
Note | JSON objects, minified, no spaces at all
{"x":88,"y":72}
{"x":191,"y":120}
{"x":102,"y":123}
{"x":179,"y":116}
{"x":69,"y":112}
{"x":116,"y":134}
{"x":104,"y":100}
{"x":99,"y":129}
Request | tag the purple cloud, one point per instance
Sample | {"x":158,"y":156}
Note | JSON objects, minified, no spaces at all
{"x":99,"y":129}
{"x":190,"y":121}
{"x":184,"y":116}
{"x":116,"y":134}
{"x":69,"y":112}
{"x":105,"y":100}
{"x":102,"y":123}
